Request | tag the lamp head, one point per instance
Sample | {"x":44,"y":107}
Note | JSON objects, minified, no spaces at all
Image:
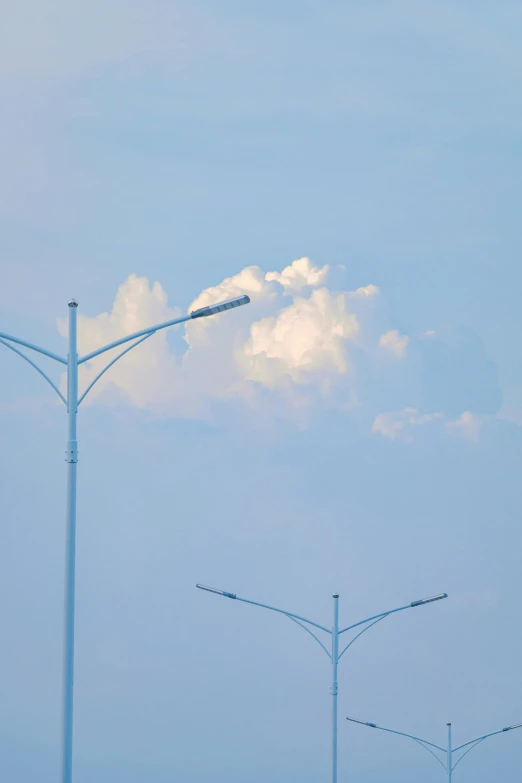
{"x":220,"y":307}
{"x":216,"y":591}
{"x":423,"y":601}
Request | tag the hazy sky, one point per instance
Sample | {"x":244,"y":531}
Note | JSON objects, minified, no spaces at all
{"x":355,"y":168}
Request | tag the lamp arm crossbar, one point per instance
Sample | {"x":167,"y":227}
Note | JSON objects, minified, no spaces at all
{"x":38,"y":369}
{"x":148,"y":331}
{"x":477,"y":739}
{"x":421,"y":743}
{"x":474,"y":742}
{"x":310,"y":632}
{"x":360,"y":634}
{"x":410,"y":736}
{"x":87,"y":390}
{"x":376,"y":617}
{"x":283,"y":611}
{"x":399,"y":733}
{"x":467,"y":751}
{"x":32,"y":347}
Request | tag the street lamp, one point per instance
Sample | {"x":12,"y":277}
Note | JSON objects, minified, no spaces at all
{"x":449,"y":750}
{"x":72,"y":401}
{"x":333,"y":654}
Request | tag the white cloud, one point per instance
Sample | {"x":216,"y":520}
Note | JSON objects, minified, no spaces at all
{"x":467,"y":426}
{"x":395,"y":423}
{"x":394,"y":342}
{"x":146,"y":374}
{"x":304,"y":342}
{"x":366,"y":292}
{"x":299,"y":274}
{"x":295,"y":345}
{"x":249,"y":281}
{"x":283,"y":353}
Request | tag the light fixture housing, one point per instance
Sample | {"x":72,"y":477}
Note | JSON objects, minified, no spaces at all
{"x":220,"y":307}
{"x":216,"y":591}
{"x":423,"y":601}
{"x":363,"y":723}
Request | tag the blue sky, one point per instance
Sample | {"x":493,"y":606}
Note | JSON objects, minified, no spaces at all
{"x":356,"y":169}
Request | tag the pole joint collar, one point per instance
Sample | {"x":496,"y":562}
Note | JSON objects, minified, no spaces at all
{"x":71,"y":453}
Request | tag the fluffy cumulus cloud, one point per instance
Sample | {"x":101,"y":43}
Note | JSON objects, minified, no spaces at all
{"x":366,"y":292}
{"x":394,"y":343}
{"x":145,"y":376}
{"x":299,"y":344}
{"x":467,"y":426}
{"x":305,"y":342}
{"x":249,"y":281}
{"x":402,"y":423}
{"x":295,"y":340}
{"x":299,"y":274}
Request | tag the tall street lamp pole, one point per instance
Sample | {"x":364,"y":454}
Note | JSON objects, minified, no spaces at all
{"x":72,"y":361}
{"x":333,"y":654}
{"x":448,"y":752}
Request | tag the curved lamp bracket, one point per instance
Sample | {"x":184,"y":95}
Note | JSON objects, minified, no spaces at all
{"x":38,"y":369}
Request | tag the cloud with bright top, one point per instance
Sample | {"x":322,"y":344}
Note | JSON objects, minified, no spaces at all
{"x":394,"y":343}
{"x":299,"y":345}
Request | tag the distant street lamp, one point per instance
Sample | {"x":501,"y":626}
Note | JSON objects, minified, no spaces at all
{"x":449,"y":750}
{"x":72,"y":401}
{"x":334,"y":654}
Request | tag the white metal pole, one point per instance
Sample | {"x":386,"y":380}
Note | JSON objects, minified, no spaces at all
{"x":450,"y":753}
{"x":70,"y":549}
{"x":335,"y":687}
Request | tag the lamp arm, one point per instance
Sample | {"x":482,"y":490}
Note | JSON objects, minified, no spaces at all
{"x":38,"y":369}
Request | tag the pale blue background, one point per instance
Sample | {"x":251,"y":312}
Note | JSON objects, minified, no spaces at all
{"x":183,"y":141}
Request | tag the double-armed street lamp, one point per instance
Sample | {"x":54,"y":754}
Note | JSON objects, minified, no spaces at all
{"x":333,"y":653}
{"x":72,"y":401}
{"x":447,"y":762}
